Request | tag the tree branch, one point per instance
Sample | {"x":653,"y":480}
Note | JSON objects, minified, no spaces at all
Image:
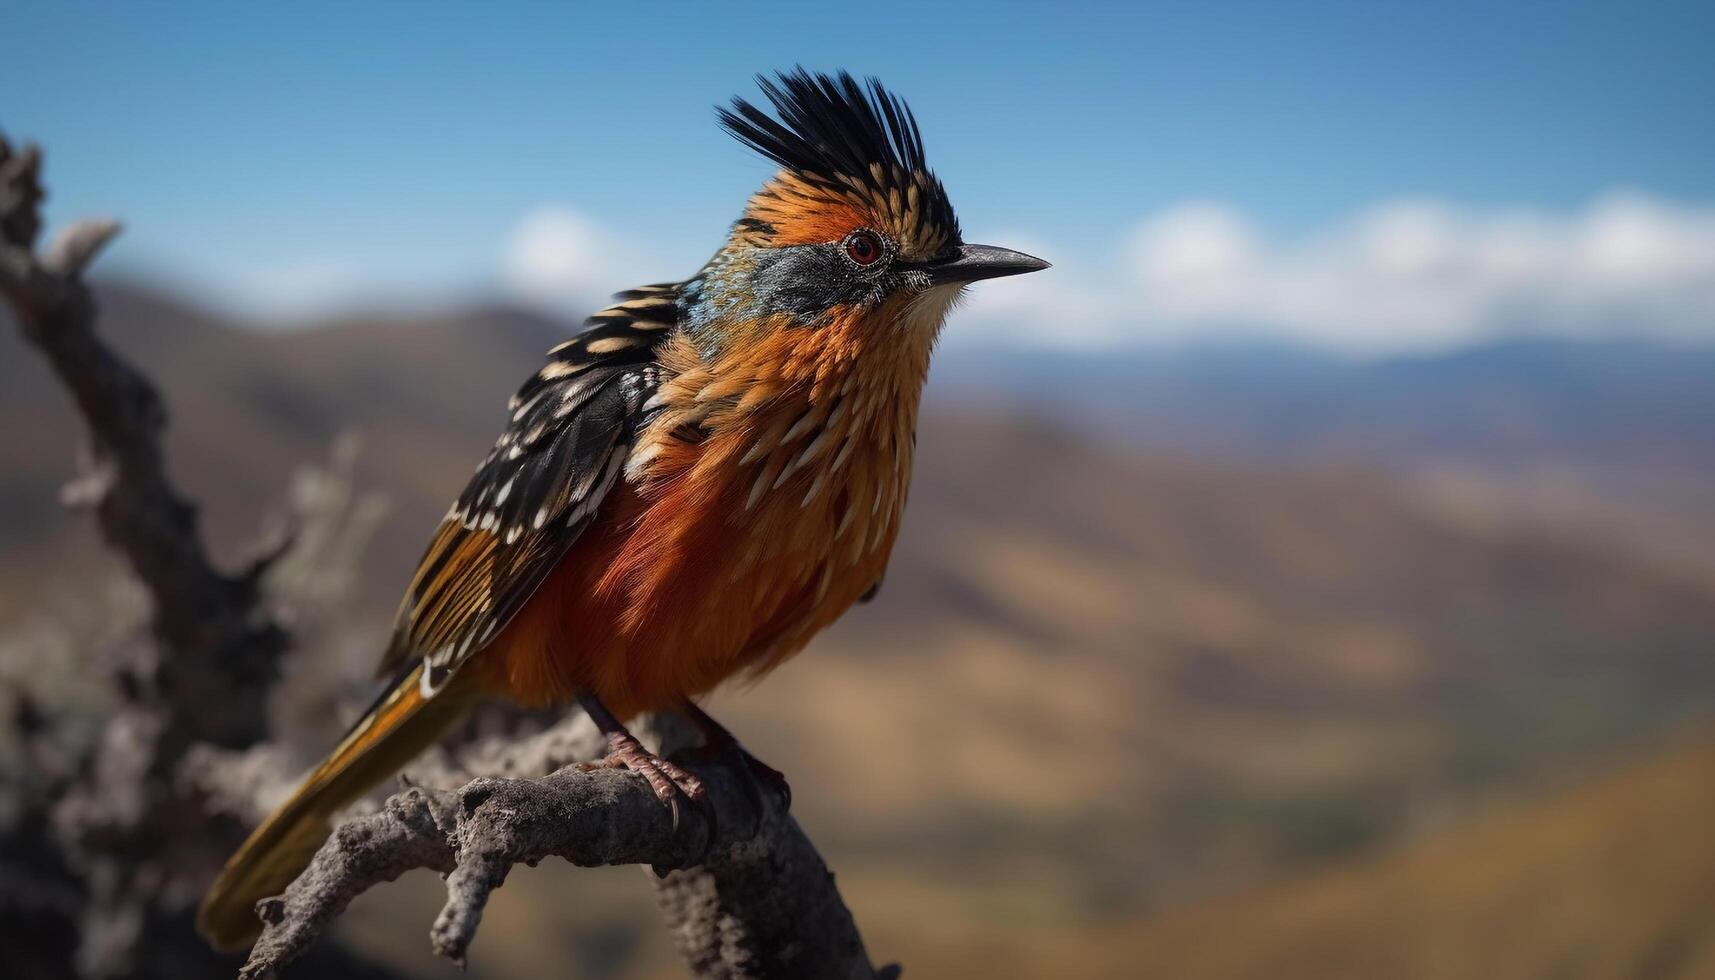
{"x":115,"y":823}
{"x":753,"y":901}
{"x":224,"y":648}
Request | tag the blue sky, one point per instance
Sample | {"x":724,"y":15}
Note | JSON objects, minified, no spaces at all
{"x":292,"y":160}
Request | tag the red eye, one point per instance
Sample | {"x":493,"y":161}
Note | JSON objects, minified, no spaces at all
{"x":863,"y":247}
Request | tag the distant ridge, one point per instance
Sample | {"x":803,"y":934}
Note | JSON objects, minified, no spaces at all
{"x":1217,"y":666}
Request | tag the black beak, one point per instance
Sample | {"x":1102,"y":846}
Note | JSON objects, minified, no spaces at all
{"x":973,"y":262}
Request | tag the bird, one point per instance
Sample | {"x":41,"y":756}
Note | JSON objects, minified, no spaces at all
{"x":690,"y":488}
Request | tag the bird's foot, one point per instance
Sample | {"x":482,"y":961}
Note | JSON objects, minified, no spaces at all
{"x":670,"y":782}
{"x":768,"y":777}
{"x":756,"y":776}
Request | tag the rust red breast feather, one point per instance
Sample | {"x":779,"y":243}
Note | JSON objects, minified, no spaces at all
{"x":683,"y":585}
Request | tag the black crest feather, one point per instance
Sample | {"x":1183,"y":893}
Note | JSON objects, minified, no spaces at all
{"x":833,"y":126}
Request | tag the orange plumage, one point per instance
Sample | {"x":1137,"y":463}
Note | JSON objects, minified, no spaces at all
{"x":731,"y":553}
{"x":693,"y":487}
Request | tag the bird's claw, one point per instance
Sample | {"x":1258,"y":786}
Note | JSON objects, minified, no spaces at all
{"x":774,"y":779}
{"x":754,"y":776}
{"x":670,"y":782}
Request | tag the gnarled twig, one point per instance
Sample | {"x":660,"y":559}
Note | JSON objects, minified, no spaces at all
{"x":754,"y":901}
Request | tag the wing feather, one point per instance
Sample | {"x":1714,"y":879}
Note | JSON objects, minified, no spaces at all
{"x":569,"y":431}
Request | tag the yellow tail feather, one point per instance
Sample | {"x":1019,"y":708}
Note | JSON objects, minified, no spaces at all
{"x":396,"y":728}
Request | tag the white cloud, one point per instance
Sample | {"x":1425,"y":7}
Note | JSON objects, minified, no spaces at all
{"x":1401,"y":274}
{"x":557,"y":257}
{"x":553,"y":252}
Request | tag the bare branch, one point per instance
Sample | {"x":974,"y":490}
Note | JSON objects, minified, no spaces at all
{"x":20,"y":194}
{"x":755,"y":901}
{"x":510,"y":752}
{"x":76,"y":246}
{"x":208,"y":619}
{"x":122,"y":827}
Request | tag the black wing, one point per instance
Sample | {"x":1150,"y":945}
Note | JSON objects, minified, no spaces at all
{"x":572,"y":426}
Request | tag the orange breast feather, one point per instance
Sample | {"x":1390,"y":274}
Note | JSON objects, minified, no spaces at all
{"x":729,"y":554}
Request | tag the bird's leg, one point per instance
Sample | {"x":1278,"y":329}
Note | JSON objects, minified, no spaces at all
{"x":719,"y":741}
{"x":624,"y":751}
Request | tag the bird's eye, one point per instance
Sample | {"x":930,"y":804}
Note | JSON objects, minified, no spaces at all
{"x":863,"y":247}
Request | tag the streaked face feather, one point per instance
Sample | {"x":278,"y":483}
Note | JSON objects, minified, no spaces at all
{"x":852,"y":164}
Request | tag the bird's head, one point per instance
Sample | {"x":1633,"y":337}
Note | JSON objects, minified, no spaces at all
{"x":854,"y":225}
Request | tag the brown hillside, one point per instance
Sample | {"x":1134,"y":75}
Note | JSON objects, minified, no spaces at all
{"x":1613,"y":880}
{"x":1096,"y":681}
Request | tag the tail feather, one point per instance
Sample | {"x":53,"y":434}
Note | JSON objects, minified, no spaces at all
{"x":401,"y":724}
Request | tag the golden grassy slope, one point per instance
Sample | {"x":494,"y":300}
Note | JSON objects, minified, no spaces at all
{"x":1612,"y":880}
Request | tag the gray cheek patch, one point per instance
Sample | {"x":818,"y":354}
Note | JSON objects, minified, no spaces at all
{"x":803,"y":281}
{"x":799,"y":281}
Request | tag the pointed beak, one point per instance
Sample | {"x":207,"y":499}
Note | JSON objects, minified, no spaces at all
{"x":973,"y":262}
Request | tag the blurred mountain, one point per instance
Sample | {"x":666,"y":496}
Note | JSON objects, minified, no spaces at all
{"x":1537,"y":395}
{"x":1602,"y":437}
{"x":1158,"y":628}
{"x":1611,"y":879}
